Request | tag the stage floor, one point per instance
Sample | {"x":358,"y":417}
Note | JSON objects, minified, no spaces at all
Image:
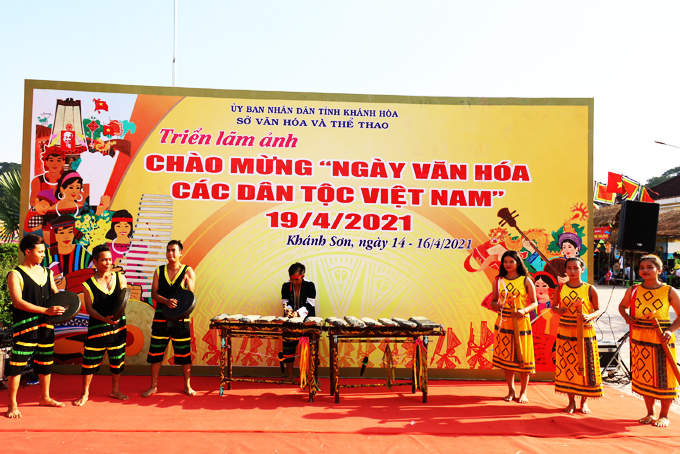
{"x":460,"y":416}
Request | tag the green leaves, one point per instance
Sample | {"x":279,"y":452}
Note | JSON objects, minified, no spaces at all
{"x":10,"y":182}
{"x":667,"y":175}
{"x":8,"y":260}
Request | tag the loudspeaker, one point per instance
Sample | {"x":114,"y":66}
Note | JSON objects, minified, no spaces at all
{"x":637,"y":226}
{"x":607,"y":351}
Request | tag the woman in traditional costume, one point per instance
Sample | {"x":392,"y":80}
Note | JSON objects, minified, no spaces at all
{"x":576,"y":301}
{"x":653,"y":376}
{"x":514,"y":297}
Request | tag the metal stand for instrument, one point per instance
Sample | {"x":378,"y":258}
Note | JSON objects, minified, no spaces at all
{"x":617,"y":356}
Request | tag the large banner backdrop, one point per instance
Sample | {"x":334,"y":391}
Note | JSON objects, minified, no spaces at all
{"x":397,"y":206}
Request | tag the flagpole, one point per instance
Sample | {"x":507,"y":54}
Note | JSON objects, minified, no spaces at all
{"x":667,"y":144}
{"x":174,"y":51}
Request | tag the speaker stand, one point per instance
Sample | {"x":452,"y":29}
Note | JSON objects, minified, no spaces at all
{"x":617,"y":356}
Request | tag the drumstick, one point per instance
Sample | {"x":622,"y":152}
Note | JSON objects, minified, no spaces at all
{"x":666,"y":348}
{"x":515,"y":323}
{"x":580,"y":368}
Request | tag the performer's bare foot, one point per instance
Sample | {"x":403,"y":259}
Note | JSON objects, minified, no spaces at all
{"x":13,"y":412}
{"x":523,"y":399}
{"x":649,"y":419}
{"x":119,"y":395}
{"x":150,"y":392}
{"x":49,"y":402}
{"x":510,"y":397}
{"x":571,"y":407}
{"x":80,"y":402}
{"x":661,"y":422}
{"x":189,"y":391}
{"x":584,"y":408}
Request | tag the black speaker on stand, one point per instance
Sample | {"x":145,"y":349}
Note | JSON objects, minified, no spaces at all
{"x":637,"y":226}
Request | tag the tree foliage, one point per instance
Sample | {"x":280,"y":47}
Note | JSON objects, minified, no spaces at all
{"x":8,"y":260}
{"x":667,"y":175}
{"x":10,"y":182}
{"x":7,"y":167}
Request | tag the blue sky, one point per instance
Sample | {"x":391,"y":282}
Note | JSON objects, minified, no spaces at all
{"x":626,"y":57}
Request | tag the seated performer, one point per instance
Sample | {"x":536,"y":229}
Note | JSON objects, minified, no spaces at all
{"x":298,"y":298}
{"x":512,"y":287}
{"x":30,"y":285}
{"x":104,"y":334}
{"x":653,"y":377}
{"x":565,"y":302}
{"x":167,"y":280}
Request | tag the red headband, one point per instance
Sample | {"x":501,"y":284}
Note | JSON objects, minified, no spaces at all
{"x":53,"y":151}
{"x":302,"y":276}
{"x":122,"y":219}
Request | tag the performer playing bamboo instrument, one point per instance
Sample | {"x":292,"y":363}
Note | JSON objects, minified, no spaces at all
{"x":513,"y":349}
{"x":577,"y":370}
{"x":105,"y":333}
{"x":653,"y":370}
{"x":298,"y":298}
{"x":30,"y":286}
{"x":167,"y":280}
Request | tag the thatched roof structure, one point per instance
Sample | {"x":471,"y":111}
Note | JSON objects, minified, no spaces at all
{"x":607,"y":216}
{"x":669,"y":223}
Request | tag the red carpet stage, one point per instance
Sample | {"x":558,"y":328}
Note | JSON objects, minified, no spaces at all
{"x":461,"y":416}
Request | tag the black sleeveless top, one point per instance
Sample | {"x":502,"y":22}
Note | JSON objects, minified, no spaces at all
{"x":99,"y":332}
{"x":165,"y":288}
{"x":35,"y":293}
{"x":103,"y":299}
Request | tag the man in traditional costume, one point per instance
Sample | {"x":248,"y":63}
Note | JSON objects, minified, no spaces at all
{"x":168,"y":280}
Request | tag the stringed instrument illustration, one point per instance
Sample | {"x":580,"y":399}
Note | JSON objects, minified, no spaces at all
{"x":557,"y":265}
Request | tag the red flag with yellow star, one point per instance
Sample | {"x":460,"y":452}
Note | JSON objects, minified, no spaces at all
{"x":614,"y":183}
{"x":100,"y":105}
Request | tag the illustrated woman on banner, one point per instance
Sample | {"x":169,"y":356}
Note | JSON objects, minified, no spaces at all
{"x":543,"y":322}
{"x":73,"y":198}
{"x":71,"y":194}
{"x":53,"y":164}
{"x":570,"y":247}
{"x":545,"y":285}
{"x":120,"y":235}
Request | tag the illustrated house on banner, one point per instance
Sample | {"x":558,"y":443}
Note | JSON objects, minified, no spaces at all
{"x":68,"y":134}
{"x":67,"y":131}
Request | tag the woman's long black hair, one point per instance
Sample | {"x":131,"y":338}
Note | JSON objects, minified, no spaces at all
{"x":521,"y":269}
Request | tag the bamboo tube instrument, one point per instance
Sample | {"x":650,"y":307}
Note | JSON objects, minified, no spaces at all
{"x":515,"y":325}
{"x":580,"y":368}
{"x":666,"y":348}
